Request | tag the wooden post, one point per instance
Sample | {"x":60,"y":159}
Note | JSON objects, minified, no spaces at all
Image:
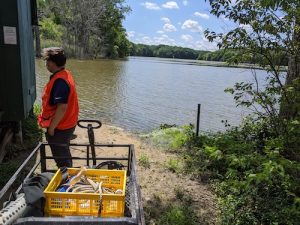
{"x":7,"y":137}
{"x":18,"y":134}
{"x":43,"y":158}
{"x":198,"y":120}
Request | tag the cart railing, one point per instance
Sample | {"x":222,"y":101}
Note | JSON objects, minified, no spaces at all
{"x":43,"y":156}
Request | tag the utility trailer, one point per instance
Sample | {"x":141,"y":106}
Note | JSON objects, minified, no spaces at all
{"x":122,"y":153}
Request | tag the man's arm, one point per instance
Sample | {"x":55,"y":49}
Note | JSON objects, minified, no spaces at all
{"x":59,"y":114}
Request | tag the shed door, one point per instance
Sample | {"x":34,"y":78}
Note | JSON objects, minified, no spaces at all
{"x":27,"y":55}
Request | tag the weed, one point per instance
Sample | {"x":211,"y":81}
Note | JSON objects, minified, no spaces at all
{"x":174,"y":165}
{"x":6,"y":170}
{"x":178,"y":215}
{"x":171,"y":138}
{"x":37,"y":109}
{"x":144,"y":161}
{"x":170,"y":212}
{"x":32,"y":134}
{"x":183,"y":195}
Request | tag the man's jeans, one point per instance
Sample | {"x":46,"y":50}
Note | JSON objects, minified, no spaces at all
{"x":59,"y":144}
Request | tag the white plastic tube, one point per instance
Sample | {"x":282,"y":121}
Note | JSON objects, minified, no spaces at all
{"x":13,"y":210}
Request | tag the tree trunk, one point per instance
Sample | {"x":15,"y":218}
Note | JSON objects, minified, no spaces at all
{"x":290,"y":109}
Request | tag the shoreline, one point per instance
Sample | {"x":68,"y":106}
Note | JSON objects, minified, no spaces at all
{"x":156,"y":181}
{"x":205,"y":63}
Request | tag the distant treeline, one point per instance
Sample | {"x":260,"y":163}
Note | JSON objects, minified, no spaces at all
{"x":163,"y":51}
{"x":223,"y":55}
{"x":241,"y":56}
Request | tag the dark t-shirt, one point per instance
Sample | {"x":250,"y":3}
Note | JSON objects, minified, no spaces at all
{"x":60,"y":92}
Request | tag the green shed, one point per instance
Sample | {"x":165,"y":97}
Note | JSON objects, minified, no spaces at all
{"x":17,"y":68}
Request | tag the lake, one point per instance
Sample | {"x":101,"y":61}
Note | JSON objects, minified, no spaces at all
{"x":140,"y":93}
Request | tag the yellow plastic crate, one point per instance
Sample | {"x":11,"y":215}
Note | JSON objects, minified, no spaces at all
{"x":87,"y":204}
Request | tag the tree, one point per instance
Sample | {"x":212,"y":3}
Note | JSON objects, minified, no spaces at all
{"x":260,"y":182}
{"x":49,"y":29}
{"x":88,"y":28}
{"x":269,"y":32}
{"x":163,"y":51}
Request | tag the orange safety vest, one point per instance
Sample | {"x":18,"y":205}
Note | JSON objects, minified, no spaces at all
{"x":71,"y":116}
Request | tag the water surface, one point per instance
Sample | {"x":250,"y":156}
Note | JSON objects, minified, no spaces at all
{"x":141,"y":93}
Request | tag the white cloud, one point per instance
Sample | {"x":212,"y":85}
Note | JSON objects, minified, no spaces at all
{"x":151,"y":6}
{"x":146,"y":40}
{"x":166,"y":20}
{"x":130,"y":34}
{"x":191,"y":25}
{"x":160,"y":32}
{"x":186,"y":37}
{"x":247,"y":27}
{"x":197,"y":42}
{"x":169,"y":27}
{"x":202,"y":15}
{"x":162,"y":39}
{"x":224,"y":18}
{"x":205,"y":45}
{"x":185,"y":2}
{"x":170,"y":5}
{"x":205,"y":39}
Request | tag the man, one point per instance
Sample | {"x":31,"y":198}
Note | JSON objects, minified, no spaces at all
{"x":59,"y":106}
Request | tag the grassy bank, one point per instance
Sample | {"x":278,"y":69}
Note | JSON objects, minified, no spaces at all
{"x":254,"y":183}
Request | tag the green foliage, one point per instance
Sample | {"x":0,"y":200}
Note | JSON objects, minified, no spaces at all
{"x":37,"y":109}
{"x":144,"y":161}
{"x":6,"y":171}
{"x":234,"y":56}
{"x":255,"y":167}
{"x":50,"y":30}
{"x":163,"y":51}
{"x":255,"y":183}
{"x":172,"y":138}
{"x":32,"y":133}
{"x":175,"y":212}
{"x":86,"y":29}
{"x":174,"y":165}
{"x":177,"y":215}
{"x":224,"y":55}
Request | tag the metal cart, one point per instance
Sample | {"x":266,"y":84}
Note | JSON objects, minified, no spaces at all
{"x":133,"y":201}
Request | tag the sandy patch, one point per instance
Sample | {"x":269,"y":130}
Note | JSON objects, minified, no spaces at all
{"x":157,"y":180}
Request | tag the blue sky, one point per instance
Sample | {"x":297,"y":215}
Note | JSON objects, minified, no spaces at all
{"x":178,"y":22}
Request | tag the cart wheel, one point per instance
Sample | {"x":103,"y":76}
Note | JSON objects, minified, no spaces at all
{"x":111,"y":165}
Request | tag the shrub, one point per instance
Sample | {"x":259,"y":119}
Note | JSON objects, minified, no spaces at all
{"x":144,"y":161}
{"x":171,"y":138}
{"x":254,"y":182}
{"x":174,"y":165}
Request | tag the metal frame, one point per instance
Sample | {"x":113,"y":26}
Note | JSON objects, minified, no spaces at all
{"x":136,"y":209}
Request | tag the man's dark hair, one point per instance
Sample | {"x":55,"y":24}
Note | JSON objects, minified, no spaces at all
{"x":55,"y":54}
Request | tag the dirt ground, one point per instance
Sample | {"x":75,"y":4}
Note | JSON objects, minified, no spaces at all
{"x":157,"y":182}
